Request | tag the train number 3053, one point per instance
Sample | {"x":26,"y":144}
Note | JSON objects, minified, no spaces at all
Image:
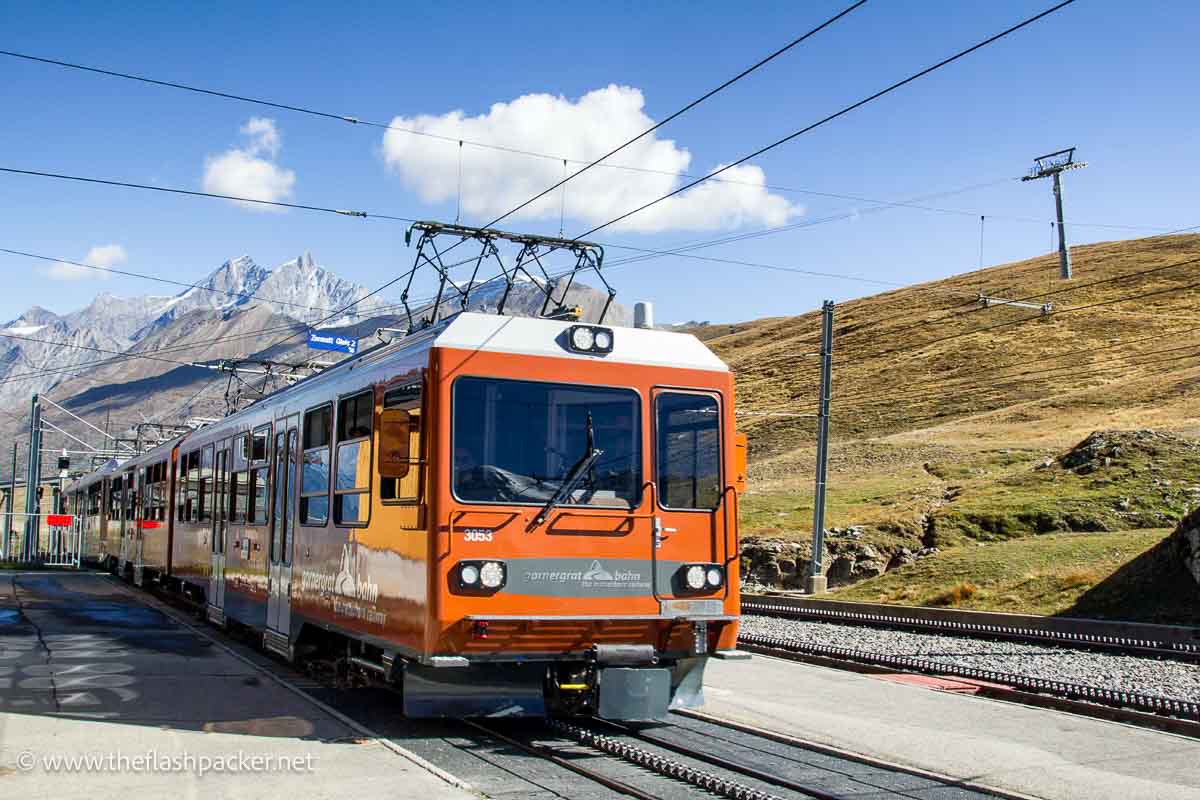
{"x":477,"y":535}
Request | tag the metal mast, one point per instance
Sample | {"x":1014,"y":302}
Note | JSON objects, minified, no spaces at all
{"x":1052,"y":165}
{"x":816,"y":577}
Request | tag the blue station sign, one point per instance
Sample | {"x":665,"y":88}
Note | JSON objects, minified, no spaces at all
{"x":327,"y":341}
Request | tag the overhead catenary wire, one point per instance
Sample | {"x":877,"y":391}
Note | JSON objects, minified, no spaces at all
{"x":171,"y":190}
{"x":612,"y":152}
{"x":835,"y":115}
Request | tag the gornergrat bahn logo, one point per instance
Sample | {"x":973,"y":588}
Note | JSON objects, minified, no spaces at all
{"x":597,"y":577}
{"x":346,"y":582}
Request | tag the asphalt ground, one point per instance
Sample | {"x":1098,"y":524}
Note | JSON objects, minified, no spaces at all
{"x":102,"y":693}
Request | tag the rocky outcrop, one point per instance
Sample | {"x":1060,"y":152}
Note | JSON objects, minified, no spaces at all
{"x":1185,"y":543}
{"x":780,"y":564}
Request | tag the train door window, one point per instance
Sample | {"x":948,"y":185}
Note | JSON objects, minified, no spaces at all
{"x":280,"y":486}
{"x":256,"y":497}
{"x":289,"y":527}
{"x":314,"y":482}
{"x":131,"y":495}
{"x":239,"y":495}
{"x":688,"y":431}
{"x":352,"y":484}
{"x":181,"y":488}
{"x":400,"y":445}
{"x":205,"y":485}
{"x":192,"y":502}
{"x":114,"y":499}
{"x":258,"y":443}
{"x":148,"y":492}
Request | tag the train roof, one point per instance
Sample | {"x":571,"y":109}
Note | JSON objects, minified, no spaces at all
{"x":545,"y":337}
{"x":84,"y":481}
{"x":531,"y":336}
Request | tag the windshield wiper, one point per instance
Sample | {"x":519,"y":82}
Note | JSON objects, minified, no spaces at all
{"x":572,"y":478}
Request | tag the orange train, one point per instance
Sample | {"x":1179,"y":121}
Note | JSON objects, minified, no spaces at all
{"x":500,"y":515}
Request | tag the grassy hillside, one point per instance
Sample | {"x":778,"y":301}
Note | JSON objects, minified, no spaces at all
{"x":954,"y":424}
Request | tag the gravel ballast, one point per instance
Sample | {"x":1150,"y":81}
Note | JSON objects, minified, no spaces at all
{"x":1160,"y":677}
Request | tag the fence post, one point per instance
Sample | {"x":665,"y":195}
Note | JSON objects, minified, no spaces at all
{"x":816,"y":583}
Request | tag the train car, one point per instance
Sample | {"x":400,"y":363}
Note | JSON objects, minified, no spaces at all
{"x":88,"y":500}
{"x":501,"y":515}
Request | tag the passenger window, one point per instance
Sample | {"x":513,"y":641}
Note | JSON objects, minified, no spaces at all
{"x":400,"y":445}
{"x":258,"y":496}
{"x":314,"y":482}
{"x":239,"y":493}
{"x":688,"y":451}
{"x":258,"y":445}
{"x":351,"y":501}
{"x":205,"y":485}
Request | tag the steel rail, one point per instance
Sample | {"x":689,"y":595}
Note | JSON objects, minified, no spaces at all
{"x":1169,"y":641}
{"x":1186,"y":710}
{"x":714,"y":784}
{"x":724,"y":763}
{"x":544,"y":753}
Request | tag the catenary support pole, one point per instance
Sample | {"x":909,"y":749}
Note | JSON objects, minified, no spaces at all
{"x":32,"y":477}
{"x":816,"y":583}
{"x":12,"y":505}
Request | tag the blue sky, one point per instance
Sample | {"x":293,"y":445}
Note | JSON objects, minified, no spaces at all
{"x":1114,"y":79}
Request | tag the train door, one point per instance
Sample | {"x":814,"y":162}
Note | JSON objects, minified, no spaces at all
{"x":128,"y":512}
{"x":690,"y":497}
{"x":220,"y":522}
{"x":141,"y":513}
{"x":283,"y":530}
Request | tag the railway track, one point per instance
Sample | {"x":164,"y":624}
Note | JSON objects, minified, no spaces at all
{"x":1159,"y":642}
{"x":1156,"y":641}
{"x":689,"y":755}
{"x":1176,"y":715}
{"x":694,"y":753}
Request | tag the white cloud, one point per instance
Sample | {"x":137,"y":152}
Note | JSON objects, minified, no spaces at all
{"x":250,"y":171}
{"x":264,"y":136}
{"x":103,"y":255}
{"x":495,"y":181}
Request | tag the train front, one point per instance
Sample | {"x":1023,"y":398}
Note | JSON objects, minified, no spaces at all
{"x":586,"y":482}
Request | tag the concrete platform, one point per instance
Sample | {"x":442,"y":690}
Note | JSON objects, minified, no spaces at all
{"x":1026,"y":751}
{"x":87,"y":668}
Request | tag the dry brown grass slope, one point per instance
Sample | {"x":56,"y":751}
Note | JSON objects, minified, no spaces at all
{"x":944,"y":410}
{"x":927,"y":363}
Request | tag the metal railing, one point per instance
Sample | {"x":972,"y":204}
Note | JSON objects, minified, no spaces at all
{"x":50,"y":540}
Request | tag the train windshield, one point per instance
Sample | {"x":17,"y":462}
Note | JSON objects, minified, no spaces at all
{"x":517,"y":441}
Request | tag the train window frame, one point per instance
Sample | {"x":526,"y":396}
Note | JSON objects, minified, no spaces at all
{"x":355,"y":398}
{"x":640,"y":439}
{"x":239,"y":479}
{"x":259,"y":478}
{"x":305,"y":449}
{"x":204,"y":512}
{"x":660,"y":496}
{"x":409,"y":404}
{"x":261,"y":433}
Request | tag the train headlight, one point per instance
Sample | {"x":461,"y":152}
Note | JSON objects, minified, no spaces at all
{"x":582,"y":338}
{"x":481,"y":577}
{"x":693,"y":578}
{"x":590,"y":339}
{"x":491,"y":575}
